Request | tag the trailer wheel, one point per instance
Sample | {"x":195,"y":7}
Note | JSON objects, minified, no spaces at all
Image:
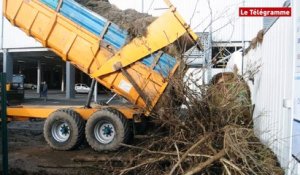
{"x":64,"y":129}
{"x":107,"y":129}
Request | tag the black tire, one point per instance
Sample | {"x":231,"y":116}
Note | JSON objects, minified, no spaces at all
{"x":141,"y":128}
{"x":106,"y":129}
{"x":71,"y":130}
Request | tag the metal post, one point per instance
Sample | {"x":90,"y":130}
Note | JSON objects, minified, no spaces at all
{"x":70,"y":81}
{"x":243,"y":40}
{"x":96,"y":93}
{"x":38,"y":87}
{"x":7,"y":65}
{"x":89,"y":99}
{"x":4,"y":125}
{"x":62,"y":77}
{"x":108,"y":101}
{"x":209,"y":58}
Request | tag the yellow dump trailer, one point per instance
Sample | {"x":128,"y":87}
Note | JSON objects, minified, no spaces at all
{"x":137,"y":70}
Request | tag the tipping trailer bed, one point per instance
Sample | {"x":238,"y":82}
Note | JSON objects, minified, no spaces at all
{"x":137,"y":70}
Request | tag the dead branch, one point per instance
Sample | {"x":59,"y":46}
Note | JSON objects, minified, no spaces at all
{"x":225,"y":161}
{"x":149,"y":161}
{"x":188,"y":151}
{"x":211,"y":160}
{"x":178,"y":156}
{"x":163,"y":153}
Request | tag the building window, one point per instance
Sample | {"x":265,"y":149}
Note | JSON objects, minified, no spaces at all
{"x":219,"y":55}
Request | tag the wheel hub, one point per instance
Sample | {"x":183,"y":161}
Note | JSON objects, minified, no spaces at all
{"x":60,"y":131}
{"x":65,"y":130}
{"x":107,"y":130}
{"x":104,"y":132}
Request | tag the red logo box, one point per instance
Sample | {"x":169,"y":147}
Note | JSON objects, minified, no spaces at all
{"x":265,"y":11}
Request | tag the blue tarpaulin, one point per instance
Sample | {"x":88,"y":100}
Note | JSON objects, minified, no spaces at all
{"x":114,"y":36}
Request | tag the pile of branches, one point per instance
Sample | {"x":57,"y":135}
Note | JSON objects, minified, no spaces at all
{"x":212,"y":134}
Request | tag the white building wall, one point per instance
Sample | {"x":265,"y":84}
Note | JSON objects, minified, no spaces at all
{"x":195,"y":77}
{"x":13,"y":38}
{"x":273,"y":90}
{"x":296,"y":86}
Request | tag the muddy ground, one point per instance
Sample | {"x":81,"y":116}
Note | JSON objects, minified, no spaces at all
{"x":29,"y":154}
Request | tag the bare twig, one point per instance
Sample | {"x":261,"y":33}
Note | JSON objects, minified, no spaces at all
{"x":177,"y":150}
{"x":225,"y":161}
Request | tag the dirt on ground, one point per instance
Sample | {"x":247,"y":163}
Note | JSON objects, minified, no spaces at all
{"x":29,"y":154}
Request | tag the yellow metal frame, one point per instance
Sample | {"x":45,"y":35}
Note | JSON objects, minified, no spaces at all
{"x":160,"y":34}
{"x":25,"y":112}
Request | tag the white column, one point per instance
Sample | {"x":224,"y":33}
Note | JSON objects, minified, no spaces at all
{"x":7,"y":65}
{"x":70,"y":81}
{"x":96,"y":92}
{"x":63,"y":77}
{"x":38,"y":81}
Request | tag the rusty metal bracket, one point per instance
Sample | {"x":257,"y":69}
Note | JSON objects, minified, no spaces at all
{"x":101,"y":37}
{"x":109,"y":47}
{"x":59,"y":5}
{"x":105,"y":30}
{"x":156,"y":59}
{"x":118,"y":66}
{"x":103,"y":44}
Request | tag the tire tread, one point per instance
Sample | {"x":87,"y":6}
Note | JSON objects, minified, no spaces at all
{"x":126,"y":138}
{"x":80,"y":123}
